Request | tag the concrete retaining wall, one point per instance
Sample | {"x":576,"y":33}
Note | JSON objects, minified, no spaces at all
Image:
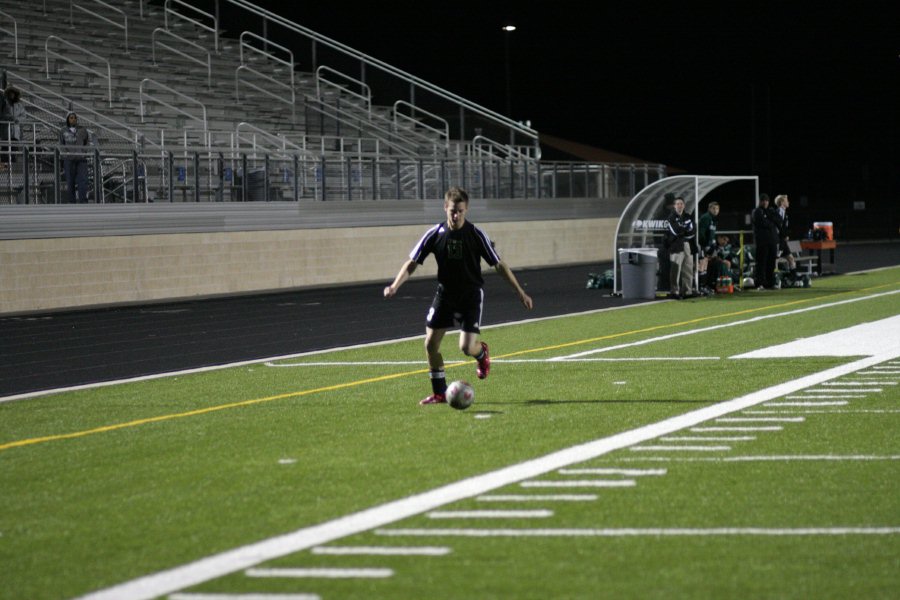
{"x":76,"y":272}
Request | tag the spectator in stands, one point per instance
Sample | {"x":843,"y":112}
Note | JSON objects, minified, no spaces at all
{"x":781,"y":205}
{"x":681,"y":242}
{"x":765,"y":237}
{"x":706,"y":238}
{"x":458,"y":247}
{"x":12,"y":117}
{"x":75,"y":166}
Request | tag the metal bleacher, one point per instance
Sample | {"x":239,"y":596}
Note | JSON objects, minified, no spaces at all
{"x":184,"y":110}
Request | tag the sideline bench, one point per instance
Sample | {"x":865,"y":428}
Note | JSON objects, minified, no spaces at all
{"x":808,"y":264}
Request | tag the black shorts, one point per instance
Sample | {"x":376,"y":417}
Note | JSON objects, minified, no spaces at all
{"x":448,"y":310}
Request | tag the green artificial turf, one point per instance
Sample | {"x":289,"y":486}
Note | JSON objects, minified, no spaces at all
{"x":104,"y":485}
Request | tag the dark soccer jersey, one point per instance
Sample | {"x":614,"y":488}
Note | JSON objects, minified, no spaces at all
{"x":458,"y":254}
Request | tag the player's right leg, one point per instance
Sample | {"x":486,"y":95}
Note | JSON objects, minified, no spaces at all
{"x":433,"y":339}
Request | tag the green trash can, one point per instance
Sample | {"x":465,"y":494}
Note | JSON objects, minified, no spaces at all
{"x":638,"y":272}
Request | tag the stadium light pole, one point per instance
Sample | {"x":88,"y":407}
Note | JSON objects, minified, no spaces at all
{"x":507,"y":32}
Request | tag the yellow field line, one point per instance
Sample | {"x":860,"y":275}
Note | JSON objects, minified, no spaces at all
{"x":338,"y":386}
{"x":200,"y":411}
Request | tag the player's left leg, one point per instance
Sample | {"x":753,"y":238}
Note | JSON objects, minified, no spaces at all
{"x":469,"y":344}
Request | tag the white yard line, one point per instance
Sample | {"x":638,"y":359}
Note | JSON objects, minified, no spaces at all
{"x":423,"y":363}
{"x":760,"y":419}
{"x":538,"y":498}
{"x":490,"y":514}
{"x":244,"y":597}
{"x":382,"y":550}
{"x":814,"y":403}
{"x":580,"y":483}
{"x":784,"y":458}
{"x":630,"y":532}
{"x":761,"y":428}
{"x":698,"y":438}
{"x":858,"y":383}
{"x":321,"y":573}
{"x":680,"y":448}
{"x":855,"y":391}
{"x":824,"y":397}
{"x":605,"y":471}
{"x":881,"y":411}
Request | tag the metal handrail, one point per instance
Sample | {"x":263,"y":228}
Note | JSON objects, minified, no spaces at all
{"x":166,"y":104}
{"x":243,"y":44}
{"x":207,"y":64}
{"x":81,"y":109}
{"x":278,"y":139}
{"x":270,"y":79}
{"x":366,"y":96}
{"x":511,"y":153}
{"x":464,"y":104}
{"x":124,"y":26}
{"x":443,"y":133}
{"x":384,"y":134}
{"x":85,"y":67}
{"x":214,"y":29}
{"x":14,"y":33}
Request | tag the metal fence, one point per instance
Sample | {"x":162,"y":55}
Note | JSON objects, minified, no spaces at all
{"x":33,"y":175}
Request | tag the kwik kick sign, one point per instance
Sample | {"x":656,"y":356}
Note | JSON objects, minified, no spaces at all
{"x":648,"y":225}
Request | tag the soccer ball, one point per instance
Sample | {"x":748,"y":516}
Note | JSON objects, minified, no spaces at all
{"x":460,"y":395}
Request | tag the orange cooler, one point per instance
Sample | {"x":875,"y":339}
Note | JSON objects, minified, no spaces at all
{"x":827,"y":227}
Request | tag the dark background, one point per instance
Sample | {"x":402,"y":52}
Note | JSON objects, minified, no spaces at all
{"x":806,"y":96}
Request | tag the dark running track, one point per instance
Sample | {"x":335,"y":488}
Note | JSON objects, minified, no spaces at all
{"x":51,"y":350}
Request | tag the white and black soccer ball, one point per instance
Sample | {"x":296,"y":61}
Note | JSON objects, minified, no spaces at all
{"x":460,"y":395}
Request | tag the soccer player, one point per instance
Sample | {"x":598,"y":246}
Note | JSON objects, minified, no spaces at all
{"x":458,"y":247}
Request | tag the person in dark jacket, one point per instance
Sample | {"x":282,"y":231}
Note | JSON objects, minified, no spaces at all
{"x":782,"y":203}
{"x":681,"y":242}
{"x":706,"y":239}
{"x":765,"y":237}
{"x":12,"y":117}
{"x":72,"y":140}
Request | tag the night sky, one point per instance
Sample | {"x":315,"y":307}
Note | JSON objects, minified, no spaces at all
{"x":807,"y":96}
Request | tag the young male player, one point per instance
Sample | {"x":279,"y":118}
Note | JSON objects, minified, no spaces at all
{"x":458,"y":247}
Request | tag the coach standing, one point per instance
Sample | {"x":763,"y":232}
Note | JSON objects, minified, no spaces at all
{"x":765,"y":236}
{"x":681,"y":242}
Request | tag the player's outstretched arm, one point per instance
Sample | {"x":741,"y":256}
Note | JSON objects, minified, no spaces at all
{"x":510,"y":277}
{"x":405,"y":271}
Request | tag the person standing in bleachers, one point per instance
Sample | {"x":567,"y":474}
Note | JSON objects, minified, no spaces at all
{"x":765,"y":237}
{"x":75,"y":165}
{"x":12,"y":116}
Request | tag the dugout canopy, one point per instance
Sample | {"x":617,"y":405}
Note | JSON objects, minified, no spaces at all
{"x":643,"y":222}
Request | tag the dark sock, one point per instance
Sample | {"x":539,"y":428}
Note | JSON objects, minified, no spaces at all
{"x":438,"y":381}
